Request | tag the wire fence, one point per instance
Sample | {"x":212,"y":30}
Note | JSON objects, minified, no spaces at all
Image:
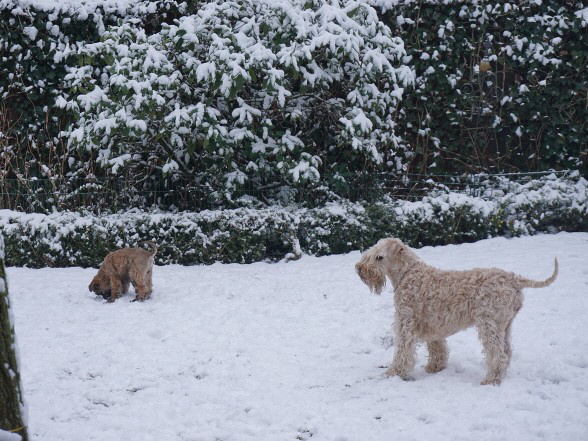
{"x":45,"y":195}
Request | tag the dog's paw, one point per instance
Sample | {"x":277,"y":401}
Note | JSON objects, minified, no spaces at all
{"x":434,"y":368}
{"x":390,"y":372}
{"x":491,"y":382}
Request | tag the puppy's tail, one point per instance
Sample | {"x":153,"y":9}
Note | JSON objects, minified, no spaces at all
{"x":528,"y":283}
{"x":153,"y":246}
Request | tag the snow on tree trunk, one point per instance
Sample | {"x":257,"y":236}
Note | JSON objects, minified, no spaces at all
{"x":12,"y":422}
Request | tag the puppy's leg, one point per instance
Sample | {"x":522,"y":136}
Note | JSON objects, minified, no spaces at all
{"x":126,"y":283}
{"x":438,"y":355}
{"x":149,"y":282}
{"x":405,"y":351}
{"x":116,"y":288}
{"x":141,"y":292}
{"x":138,"y":281}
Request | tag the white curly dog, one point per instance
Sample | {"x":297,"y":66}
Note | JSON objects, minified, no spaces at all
{"x":432,"y":304}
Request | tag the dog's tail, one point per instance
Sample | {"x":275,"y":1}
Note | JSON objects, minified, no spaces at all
{"x":528,"y":283}
{"x":153,"y":246}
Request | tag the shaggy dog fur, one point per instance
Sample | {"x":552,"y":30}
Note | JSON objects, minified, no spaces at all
{"x":121,"y":268}
{"x":432,"y":304}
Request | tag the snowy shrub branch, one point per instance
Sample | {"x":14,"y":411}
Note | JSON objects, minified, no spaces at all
{"x":245,"y":235}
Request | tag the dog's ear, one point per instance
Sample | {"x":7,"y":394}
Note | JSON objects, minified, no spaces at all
{"x":394,"y":247}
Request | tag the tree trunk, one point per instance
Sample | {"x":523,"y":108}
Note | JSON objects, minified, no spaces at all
{"x":11,"y":402}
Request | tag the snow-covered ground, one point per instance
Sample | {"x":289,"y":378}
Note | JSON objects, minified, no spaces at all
{"x":295,"y":351}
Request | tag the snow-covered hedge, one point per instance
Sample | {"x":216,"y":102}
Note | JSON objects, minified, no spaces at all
{"x":246,"y":235}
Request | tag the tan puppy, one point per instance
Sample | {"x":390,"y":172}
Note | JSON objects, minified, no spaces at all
{"x":121,"y":268}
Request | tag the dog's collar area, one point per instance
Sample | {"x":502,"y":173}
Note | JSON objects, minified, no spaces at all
{"x":400,"y":279}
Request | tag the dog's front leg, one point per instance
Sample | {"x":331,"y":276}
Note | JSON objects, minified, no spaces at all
{"x":116,"y":288}
{"x":438,"y":355}
{"x":405,"y":351}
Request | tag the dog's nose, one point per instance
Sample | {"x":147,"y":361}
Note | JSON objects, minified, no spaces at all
{"x":359,"y":268}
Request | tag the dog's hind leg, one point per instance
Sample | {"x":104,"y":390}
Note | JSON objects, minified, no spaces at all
{"x":496,"y":349}
{"x":507,"y":337}
{"x":139,"y":281}
{"x":438,"y":355}
{"x":149,"y":282}
{"x":507,"y":342}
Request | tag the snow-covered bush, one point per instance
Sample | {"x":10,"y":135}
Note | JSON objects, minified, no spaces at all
{"x":255,"y":92}
{"x":38,"y":40}
{"x":546,"y":205}
{"x":447,"y":218}
{"x":247,"y":235}
{"x":500,"y":85}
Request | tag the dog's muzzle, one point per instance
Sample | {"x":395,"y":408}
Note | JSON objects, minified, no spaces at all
{"x":372,"y":277}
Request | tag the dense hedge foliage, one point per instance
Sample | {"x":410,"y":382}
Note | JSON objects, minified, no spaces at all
{"x":279,"y":98}
{"x":246,"y":235}
{"x":500,"y":85}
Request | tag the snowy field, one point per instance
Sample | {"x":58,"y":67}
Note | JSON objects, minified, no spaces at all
{"x":296,"y":351}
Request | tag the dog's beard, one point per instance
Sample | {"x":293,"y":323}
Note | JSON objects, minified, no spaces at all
{"x":105,"y":294}
{"x":374,"y":278}
{"x":100,"y":290}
